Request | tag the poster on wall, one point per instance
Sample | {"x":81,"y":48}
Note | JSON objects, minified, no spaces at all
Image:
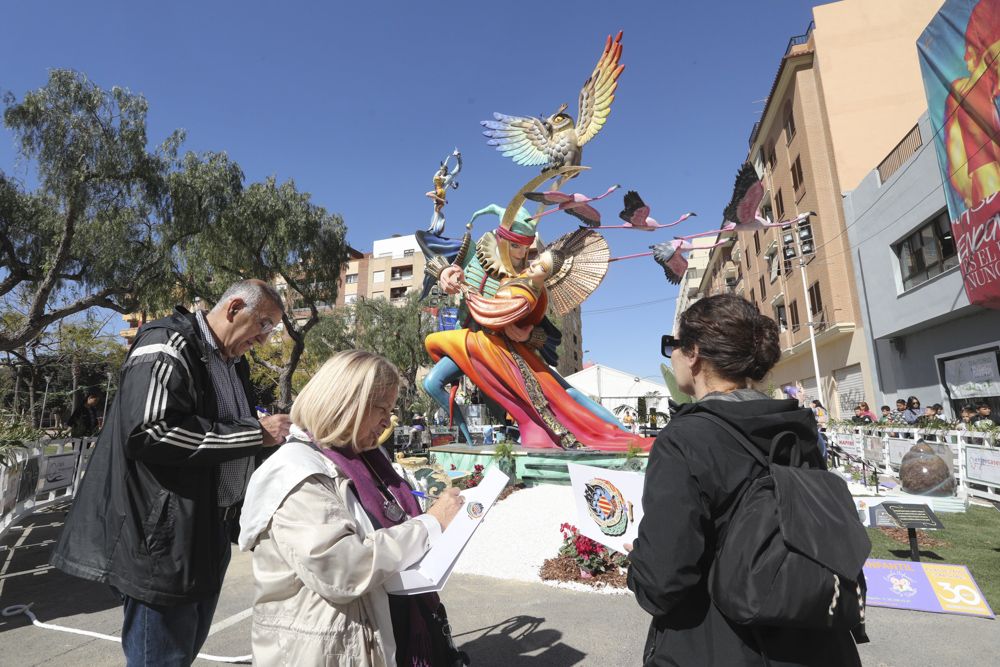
{"x":973,"y":376}
{"x":958,"y":53}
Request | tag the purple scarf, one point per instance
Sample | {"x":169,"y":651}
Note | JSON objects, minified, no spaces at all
{"x":414,"y":648}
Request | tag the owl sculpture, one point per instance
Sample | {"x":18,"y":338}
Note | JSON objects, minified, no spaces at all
{"x":558,"y":140}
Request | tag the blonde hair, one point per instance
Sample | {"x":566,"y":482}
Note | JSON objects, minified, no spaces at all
{"x":335,"y":401}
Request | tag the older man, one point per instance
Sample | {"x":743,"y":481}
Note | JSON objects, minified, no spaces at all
{"x":152,"y":517}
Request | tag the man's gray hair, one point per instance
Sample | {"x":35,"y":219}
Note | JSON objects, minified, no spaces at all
{"x":252,"y":292}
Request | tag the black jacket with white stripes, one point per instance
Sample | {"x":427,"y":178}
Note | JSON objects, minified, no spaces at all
{"x":145,"y":518}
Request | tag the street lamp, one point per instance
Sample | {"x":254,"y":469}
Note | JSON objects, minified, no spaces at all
{"x":810,"y":247}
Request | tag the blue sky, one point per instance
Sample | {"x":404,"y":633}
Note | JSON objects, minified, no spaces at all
{"x":357,"y":102}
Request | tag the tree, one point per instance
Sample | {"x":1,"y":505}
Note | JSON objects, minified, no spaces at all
{"x":268,"y":231}
{"x":97,"y":230}
{"x":397,"y":332}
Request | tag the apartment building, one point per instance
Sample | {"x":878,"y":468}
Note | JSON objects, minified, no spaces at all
{"x":925,"y":338}
{"x":394,"y":267}
{"x":844,"y":92}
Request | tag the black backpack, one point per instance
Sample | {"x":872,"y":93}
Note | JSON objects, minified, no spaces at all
{"x":794,"y":550}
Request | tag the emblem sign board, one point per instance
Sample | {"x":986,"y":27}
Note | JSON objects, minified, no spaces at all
{"x":915,"y":516}
{"x":849,"y":444}
{"x":898,"y":448}
{"x":982,"y":464}
{"x":933,"y":587}
{"x":58,"y":472}
{"x":608,"y":503}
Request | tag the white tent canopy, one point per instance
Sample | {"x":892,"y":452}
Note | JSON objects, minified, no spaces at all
{"x":613,"y":388}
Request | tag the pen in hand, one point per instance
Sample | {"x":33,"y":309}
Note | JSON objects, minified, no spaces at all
{"x":421,"y":494}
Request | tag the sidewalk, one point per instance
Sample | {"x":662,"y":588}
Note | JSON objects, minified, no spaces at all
{"x":498,"y":622}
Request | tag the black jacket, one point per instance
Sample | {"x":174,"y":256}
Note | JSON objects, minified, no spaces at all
{"x":145,"y":518}
{"x":696,"y":472}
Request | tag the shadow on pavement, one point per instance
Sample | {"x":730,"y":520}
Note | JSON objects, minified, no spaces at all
{"x":27,"y":578}
{"x":518,"y":641}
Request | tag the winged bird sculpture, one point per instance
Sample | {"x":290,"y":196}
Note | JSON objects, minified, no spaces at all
{"x":636,"y":215}
{"x":749,"y":216}
{"x":558,"y":140}
{"x":671,"y":256}
{"x":575,"y":204}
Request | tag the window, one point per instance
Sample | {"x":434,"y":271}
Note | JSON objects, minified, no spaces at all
{"x":350,"y":298}
{"x":779,"y":206}
{"x":748,"y":261}
{"x":789,"y":123}
{"x":927,"y":252}
{"x":775,"y":266}
{"x":772,"y":158}
{"x":408,"y":253}
{"x":397,"y":293}
{"x":378,"y":277}
{"x":351,"y":278}
{"x":762,"y":292}
{"x":756,"y":241}
{"x":815,"y":299}
{"x":794,"y":309}
{"x":752,"y":297}
{"x":781,"y":317}
{"x":402,"y":273}
{"x":797,"y":174}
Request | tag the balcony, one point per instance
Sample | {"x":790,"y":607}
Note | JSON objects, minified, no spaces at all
{"x":909,"y":145}
{"x":799,"y":40}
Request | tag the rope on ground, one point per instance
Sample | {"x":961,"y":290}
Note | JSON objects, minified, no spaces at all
{"x":25,"y":609}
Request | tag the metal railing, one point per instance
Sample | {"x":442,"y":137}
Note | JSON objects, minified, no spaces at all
{"x":902,"y":152}
{"x":800,"y":39}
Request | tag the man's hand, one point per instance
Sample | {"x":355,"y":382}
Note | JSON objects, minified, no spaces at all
{"x":275,"y":429}
{"x":451,"y":279}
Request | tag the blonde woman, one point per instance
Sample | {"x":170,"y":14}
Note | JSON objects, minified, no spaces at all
{"x":329,"y":521}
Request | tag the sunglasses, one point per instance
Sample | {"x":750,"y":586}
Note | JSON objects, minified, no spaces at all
{"x":668,"y":344}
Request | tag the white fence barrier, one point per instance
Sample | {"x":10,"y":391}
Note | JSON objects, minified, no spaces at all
{"x":41,"y":475}
{"x":975,"y":457}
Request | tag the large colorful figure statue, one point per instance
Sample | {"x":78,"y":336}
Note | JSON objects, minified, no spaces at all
{"x":499,"y":255}
{"x":501,"y":355}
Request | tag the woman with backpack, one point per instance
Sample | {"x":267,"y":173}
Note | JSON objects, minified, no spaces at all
{"x":699,"y":468}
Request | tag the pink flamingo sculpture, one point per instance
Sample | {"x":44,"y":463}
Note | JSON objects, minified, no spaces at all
{"x":575,"y":204}
{"x":749,"y":216}
{"x":636,"y":215}
{"x":670,"y":255}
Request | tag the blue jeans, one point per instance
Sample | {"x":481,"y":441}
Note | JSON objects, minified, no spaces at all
{"x":162,"y":636}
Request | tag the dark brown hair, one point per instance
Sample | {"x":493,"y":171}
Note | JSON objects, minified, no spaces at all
{"x":732,"y":336}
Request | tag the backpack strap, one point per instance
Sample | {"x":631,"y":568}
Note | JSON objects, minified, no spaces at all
{"x":739,"y":437}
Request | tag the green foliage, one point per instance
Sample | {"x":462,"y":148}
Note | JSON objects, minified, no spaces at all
{"x":15,"y":433}
{"x":592,"y":557}
{"x":97,"y":230}
{"x":269,"y":231}
{"x":675,"y":391}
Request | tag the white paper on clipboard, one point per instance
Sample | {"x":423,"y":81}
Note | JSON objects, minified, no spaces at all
{"x":432,"y":571}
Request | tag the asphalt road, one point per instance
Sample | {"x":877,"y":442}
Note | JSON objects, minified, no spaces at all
{"x":497,"y":622}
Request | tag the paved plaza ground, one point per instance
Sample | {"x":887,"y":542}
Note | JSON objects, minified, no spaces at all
{"x":498,"y":622}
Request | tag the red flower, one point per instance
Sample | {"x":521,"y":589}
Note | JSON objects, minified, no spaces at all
{"x":453,"y":467}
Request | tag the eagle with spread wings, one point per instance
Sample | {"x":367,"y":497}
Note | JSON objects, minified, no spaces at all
{"x":557,"y":140}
